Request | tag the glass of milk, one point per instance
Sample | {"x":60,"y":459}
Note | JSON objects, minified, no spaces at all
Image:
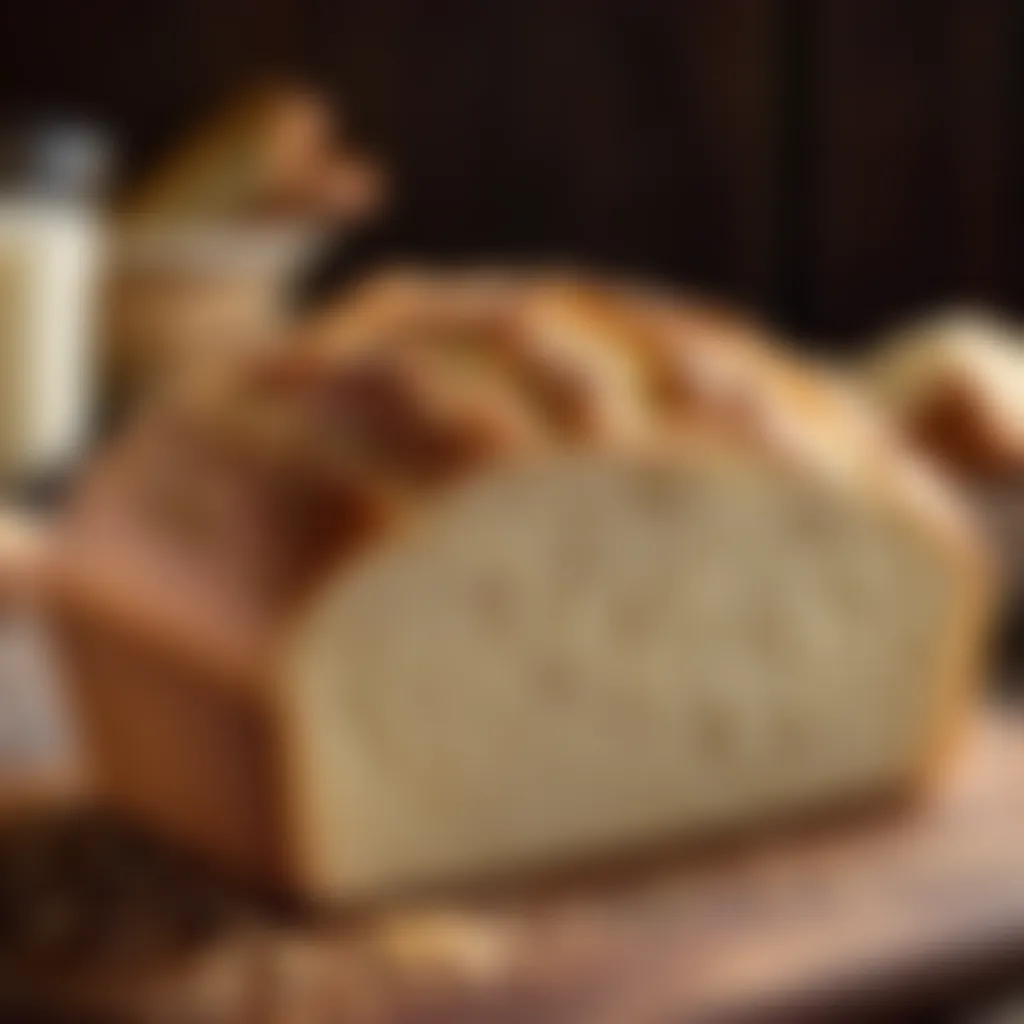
{"x":50,"y":257}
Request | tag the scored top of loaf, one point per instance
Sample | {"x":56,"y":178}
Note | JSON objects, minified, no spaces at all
{"x":558,"y":356}
{"x":417,"y":379}
{"x":554,"y":358}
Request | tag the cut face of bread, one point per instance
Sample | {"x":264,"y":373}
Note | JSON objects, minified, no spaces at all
{"x":590,"y":654}
{"x":500,"y":573}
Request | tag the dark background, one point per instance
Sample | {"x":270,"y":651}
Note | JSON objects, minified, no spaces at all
{"x":833,"y":163}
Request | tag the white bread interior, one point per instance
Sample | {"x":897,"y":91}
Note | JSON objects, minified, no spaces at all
{"x":591,"y":653}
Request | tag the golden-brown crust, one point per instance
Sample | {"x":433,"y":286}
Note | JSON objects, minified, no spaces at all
{"x":956,"y":424}
{"x":607,"y":363}
{"x":176,"y":742}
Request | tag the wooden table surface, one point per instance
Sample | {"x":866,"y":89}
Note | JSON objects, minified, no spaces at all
{"x":842,"y":919}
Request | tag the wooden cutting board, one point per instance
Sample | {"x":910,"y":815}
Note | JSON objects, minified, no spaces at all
{"x":841,"y":919}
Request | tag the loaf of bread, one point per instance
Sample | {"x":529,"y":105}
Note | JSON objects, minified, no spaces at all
{"x":955,"y":382}
{"x":493,"y":572}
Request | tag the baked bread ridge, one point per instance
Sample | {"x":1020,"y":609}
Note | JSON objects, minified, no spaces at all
{"x":640,"y":384}
{"x":694,"y":369}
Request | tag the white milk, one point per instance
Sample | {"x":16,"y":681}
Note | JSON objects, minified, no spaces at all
{"x":49,"y":259}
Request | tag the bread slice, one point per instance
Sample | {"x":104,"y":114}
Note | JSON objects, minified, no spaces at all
{"x":489,"y":573}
